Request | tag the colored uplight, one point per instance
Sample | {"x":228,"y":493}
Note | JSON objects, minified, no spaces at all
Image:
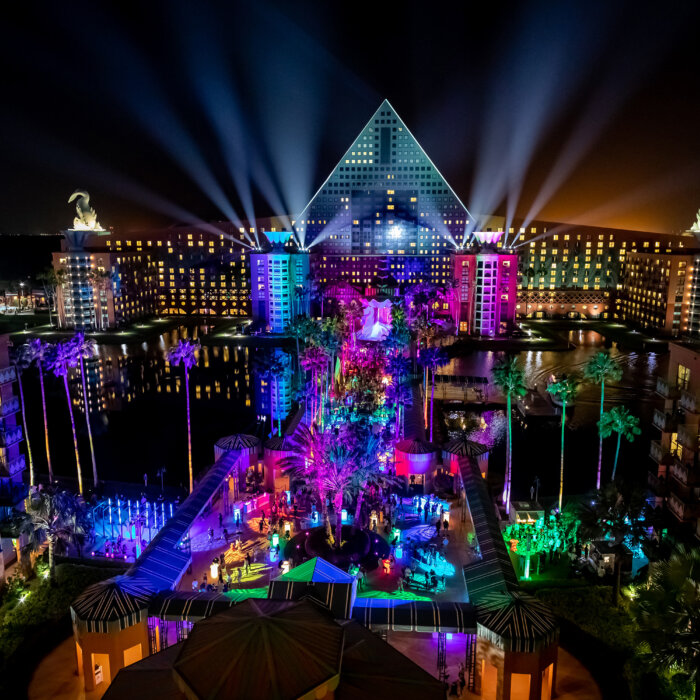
{"x":488,"y":236}
{"x":344,"y":515}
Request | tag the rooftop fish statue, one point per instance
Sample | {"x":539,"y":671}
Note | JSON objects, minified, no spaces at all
{"x":695,"y":228}
{"x":86,"y":219}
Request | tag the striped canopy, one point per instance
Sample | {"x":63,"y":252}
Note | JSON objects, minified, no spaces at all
{"x":494,"y":570}
{"x":237,"y":441}
{"x":516,"y":622}
{"x":461,"y":447}
{"x":261,"y":649}
{"x":112,"y":605}
{"x":416,"y":447}
{"x":415,"y":615}
{"x":191,"y":606}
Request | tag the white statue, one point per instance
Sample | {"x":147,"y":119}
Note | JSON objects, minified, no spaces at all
{"x":695,"y":228}
{"x":86,"y":219}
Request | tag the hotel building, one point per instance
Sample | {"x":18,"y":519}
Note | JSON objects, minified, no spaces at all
{"x":655,"y":291}
{"x":675,"y":477}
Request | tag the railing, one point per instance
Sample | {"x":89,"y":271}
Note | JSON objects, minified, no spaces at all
{"x":658,"y":452}
{"x":12,"y":466}
{"x":679,"y":472}
{"x":12,"y":494}
{"x":663,"y":421}
{"x":681,"y":509}
{"x":688,"y":402}
{"x":10,"y":436}
{"x":7,"y":408}
{"x":7,"y":374}
{"x":665,"y":389}
{"x":688,"y":436}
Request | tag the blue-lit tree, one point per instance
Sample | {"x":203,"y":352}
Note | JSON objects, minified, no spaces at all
{"x":185,"y":353}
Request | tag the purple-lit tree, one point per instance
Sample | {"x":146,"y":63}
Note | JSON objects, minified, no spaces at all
{"x":510,"y":379}
{"x":315,"y":360}
{"x":22,"y":357}
{"x":41,"y":352}
{"x":185,"y":352}
{"x":63,"y":360}
{"x":84,"y":349}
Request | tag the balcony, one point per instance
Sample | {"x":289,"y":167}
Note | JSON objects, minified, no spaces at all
{"x":659,"y":453}
{"x":688,"y":402}
{"x":12,"y":466}
{"x":683,"y":473}
{"x":663,"y":421}
{"x":682,"y":510}
{"x":10,"y":436}
{"x":7,"y":408}
{"x":11,"y":494}
{"x":665,"y":388}
{"x":7,"y":375}
{"x":688,"y":437}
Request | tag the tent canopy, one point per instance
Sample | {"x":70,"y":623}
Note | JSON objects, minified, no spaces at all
{"x":317,"y":570}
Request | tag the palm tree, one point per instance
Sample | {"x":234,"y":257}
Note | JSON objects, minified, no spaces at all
{"x":433,"y":358}
{"x":599,"y":369}
{"x":269,"y":365}
{"x":354,"y":313}
{"x":564,"y":389}
{"x":297,"y":328}
{"x":667,"y":613}
{"x":185,"y":352}
{"x":53,"y":280}
{"x":616,"y":514}
{"x":510,"y":379}
{"x":315,"y":360}
{"x":41,"y":351}
{"x":618,"y":420}
{"x":85,"y":349}
{"x":58,"y":517}
{"x":63,"y":360}
{"x":22,"y":358}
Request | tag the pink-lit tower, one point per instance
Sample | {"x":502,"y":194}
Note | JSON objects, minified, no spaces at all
{"x":486,"y":282}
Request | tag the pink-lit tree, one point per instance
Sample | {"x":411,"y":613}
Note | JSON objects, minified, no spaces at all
{"x":63,"y":360}
{"x":41,"y":352}
{"x":315,"y":360}
{"x":84,"y":349}
{"x":22,"y":357}
{"x":185,"y":352}
{"x":431,"y":359}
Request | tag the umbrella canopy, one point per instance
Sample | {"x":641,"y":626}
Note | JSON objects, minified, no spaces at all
{"x":462,"y":447}
{"x":238,"y":441}
{"x":516,"y":621}
{"x":317,"y":570}
{"x":280,"y":444}
{"x":262,"y":649}
{"x":112,"y":605}
{"x":416,"y":446}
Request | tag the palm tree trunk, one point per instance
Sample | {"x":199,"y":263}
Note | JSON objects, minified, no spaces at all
{"x":338,"y":505}
{"x":509,"y":453}
{"x":87,"y":420}
{"x":561,"y":468}
{"x":616,"y":579}
{"x":75,"y":437}
{"x":46,"y":424}
{"x":189,"y":429}
{"x":52,"y":562}
{"x":358,"y":507}
{"x":617,"y":453}
{"x":425,"y":395}
{"x":296,"y":338}
{"x":600,"y":440}
{"x":272,"y":415}
{"x":432,"y":400}
{"x":24,"y":423}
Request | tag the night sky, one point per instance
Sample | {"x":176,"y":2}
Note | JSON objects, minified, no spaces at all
{"x":580,"y":112}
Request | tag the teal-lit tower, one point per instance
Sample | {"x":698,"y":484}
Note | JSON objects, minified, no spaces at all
{"x":279,"y":283}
